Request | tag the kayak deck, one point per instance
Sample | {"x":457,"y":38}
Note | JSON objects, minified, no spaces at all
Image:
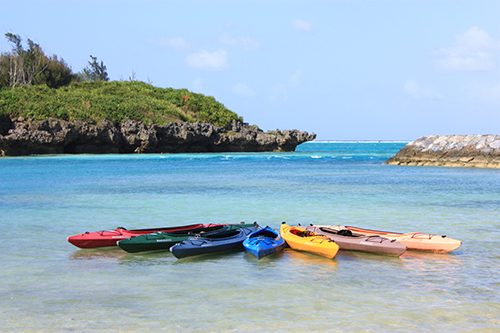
{"x":263,"y":242}
{"x":303,"y":240}
{"x":218,"y":242}
{"x":355,"y":242}
{"x":413,"y":240}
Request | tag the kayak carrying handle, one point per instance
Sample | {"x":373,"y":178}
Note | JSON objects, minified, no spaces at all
{"x":415,"y":235}
{"x":371,"y":237}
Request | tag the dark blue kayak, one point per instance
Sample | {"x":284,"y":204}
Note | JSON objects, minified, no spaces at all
{"x":221,"y":241}
{"x":164,"y":240}
{"x":263,"y":242}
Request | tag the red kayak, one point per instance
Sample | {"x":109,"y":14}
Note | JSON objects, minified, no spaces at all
{"x":104,"y":238}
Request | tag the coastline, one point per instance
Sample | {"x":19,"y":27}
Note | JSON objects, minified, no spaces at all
{"x":20,"y":137}
{"x":478,"y":151}
{"x":361,"y":141}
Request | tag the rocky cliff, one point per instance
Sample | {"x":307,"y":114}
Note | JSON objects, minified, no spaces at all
{"x":54,"y":136}
{"x":481,"y":151}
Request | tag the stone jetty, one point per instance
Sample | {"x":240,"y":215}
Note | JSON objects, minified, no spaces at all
{"x":480,"y":151}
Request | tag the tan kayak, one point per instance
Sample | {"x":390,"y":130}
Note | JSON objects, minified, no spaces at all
{"x":413,"y":240}
{"x":352,"y":242}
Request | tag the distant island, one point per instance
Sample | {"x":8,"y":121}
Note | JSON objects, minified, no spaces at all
{"x":480,"y":151}
{"x":45,"y":108}
{"x":127,"y":117}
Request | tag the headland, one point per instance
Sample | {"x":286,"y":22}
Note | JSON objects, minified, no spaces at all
{"x":127,"y":117}
{"x":55,"y":136}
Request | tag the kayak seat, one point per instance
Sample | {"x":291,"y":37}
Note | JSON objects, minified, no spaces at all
{"x":344,"y":232}
{"x":265,"y":234}
{"x":223,"y":234}
{"x":197,"y":230}
{"x":305,"y":233}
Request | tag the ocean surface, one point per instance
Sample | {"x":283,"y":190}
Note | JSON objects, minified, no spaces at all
{"x":49,"y":285}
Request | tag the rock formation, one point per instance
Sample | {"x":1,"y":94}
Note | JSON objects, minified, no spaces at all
{"x":54,"y":136}
{"x":481,"y":151}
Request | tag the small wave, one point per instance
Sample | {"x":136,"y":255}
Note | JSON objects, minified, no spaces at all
{"x":357,"y":141}
{"x":278,"y":157}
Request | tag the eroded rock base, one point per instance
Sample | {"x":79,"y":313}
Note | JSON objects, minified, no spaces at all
{"x":55,"y":136}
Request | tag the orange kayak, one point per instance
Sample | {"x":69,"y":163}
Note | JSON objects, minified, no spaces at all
{"x":413,"y":240}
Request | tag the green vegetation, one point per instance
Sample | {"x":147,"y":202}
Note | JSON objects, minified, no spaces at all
{"x":114,"y":101}
{"x":33,"y":85}
{"x":274,"y":133}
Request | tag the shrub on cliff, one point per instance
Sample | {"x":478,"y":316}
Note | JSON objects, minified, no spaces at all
{"x":114,"y":101}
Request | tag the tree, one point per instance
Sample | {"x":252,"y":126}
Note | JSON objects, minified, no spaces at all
{"x":31,"y":66}
{"x":24,"y":65}
{"x":56,"y":74}
{"x":96,"y":71}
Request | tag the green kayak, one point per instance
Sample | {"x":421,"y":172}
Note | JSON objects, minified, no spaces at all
{"x":164,"y":240}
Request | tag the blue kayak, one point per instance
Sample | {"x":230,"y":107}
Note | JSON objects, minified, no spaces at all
{"x":263,"y":242}
{"x":221,"y":241}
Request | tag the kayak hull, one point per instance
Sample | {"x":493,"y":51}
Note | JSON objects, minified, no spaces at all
{"x":371,"y":244}
{"x":263,"y":242}
{"x":96,"y":239}
{"x":219,"y":242}
{"x":165,"y":240}
{"x":415,"y":241}
{"x":302,"y":240}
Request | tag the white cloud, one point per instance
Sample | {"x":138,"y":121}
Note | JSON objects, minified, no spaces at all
{"x":242,"y":89}
{"x":302,"y":25}
{"x":475,"y":39}
{"x":294,"y":79}
{"x":243,"y":42}
{"x":177,"y":43}
{"x":412,"y":88}
{"x":474,"y":50}
{"x":205,"y":60}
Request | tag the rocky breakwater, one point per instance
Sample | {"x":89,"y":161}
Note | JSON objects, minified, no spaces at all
{"x":481,"y":151}
{"x":55,"y":136}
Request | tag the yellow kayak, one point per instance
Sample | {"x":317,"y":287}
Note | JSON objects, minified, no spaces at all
{"x":302,"y":240}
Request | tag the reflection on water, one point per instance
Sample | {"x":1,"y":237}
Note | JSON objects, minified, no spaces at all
{"x":209,"y":257}
{"x":308,"y":260}
{"x":100,"y":253}
{"x":267,"y":261}
{"x":416,"y":256}
{"x":359,"y":255}
{"x":425,"y":261}
{"x":431,"y":272}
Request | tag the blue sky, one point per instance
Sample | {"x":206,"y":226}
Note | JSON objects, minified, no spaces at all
{"x":343,"y":69}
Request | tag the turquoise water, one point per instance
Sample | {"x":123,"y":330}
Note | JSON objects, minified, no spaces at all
{"x":49,"y":285}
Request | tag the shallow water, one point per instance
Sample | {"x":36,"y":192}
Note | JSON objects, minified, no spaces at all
{"x":50,"y":285}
